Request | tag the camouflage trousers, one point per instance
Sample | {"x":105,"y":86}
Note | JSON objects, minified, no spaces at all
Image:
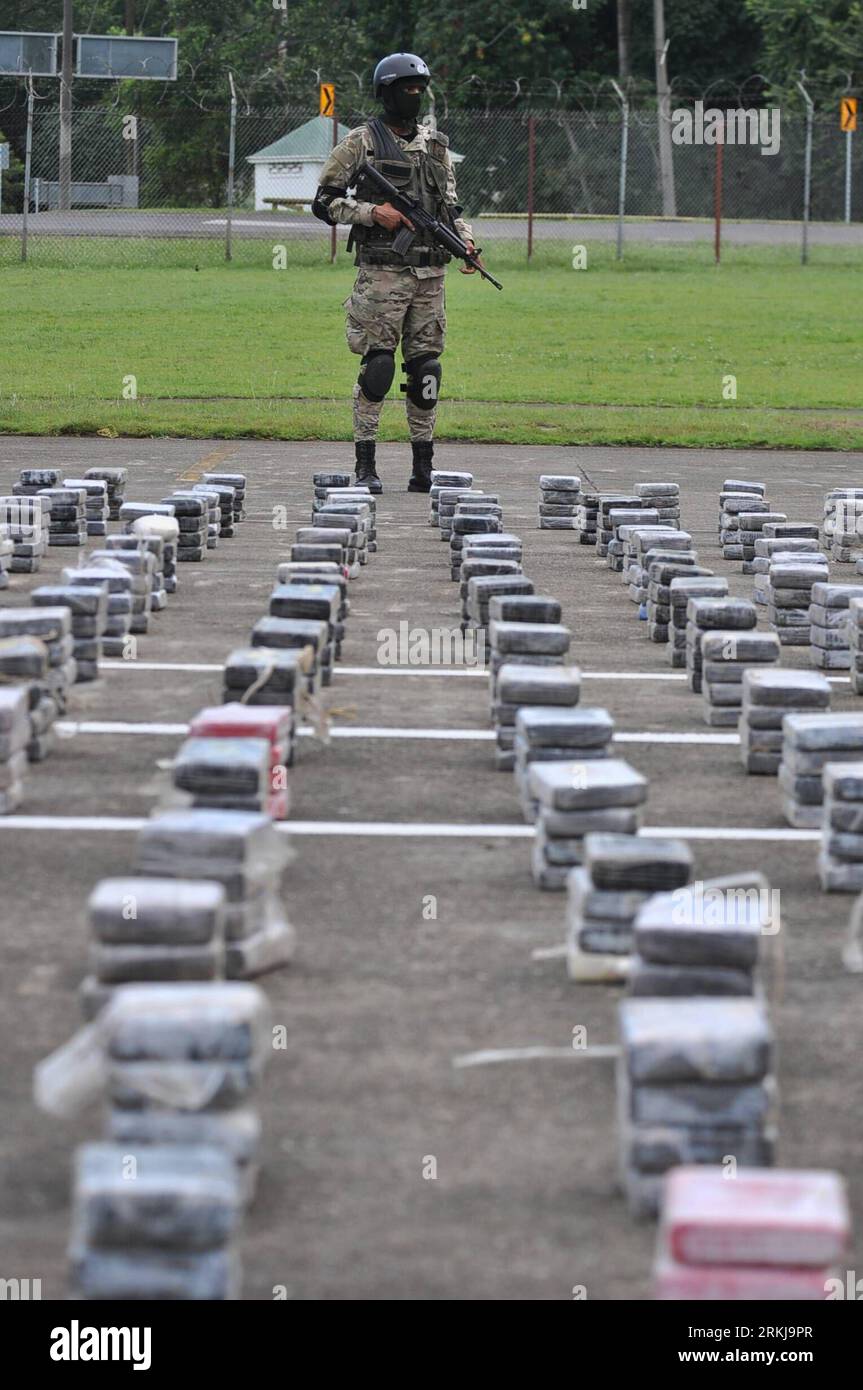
{"x":384,"y":307}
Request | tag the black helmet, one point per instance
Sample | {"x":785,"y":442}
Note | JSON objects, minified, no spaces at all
{"x":398,"y":65}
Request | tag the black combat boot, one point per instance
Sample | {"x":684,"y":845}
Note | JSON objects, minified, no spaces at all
{"x":420,"y":479}
{"x":365,"y":465}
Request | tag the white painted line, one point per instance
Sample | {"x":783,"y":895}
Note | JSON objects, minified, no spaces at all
{"x":550,"y":952}
{"x":439,"y":830}
{"x":157,"y":666}
{"x":69,"y":728}
{"x":531,"y":1054}
{"x":73,"y":823}
{"x":474,"y":671}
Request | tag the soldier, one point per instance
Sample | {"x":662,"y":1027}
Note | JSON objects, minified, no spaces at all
{"x":395,"y":296}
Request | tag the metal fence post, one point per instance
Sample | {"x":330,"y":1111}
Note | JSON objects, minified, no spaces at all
{"x":27,"y":159}
{"x":807,"y":175}
{"x":232,"y":145}
{"x":624,"y":156}
{"x":531,"y":168}
{"x":717,"y":202}
{"x":334,"y":247}
{"x":849,"y":137}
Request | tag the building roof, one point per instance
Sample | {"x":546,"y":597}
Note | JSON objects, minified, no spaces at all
{"x":313,"y":140}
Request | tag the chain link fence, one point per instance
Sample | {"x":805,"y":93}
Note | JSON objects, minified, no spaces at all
{"x":140,"y":197}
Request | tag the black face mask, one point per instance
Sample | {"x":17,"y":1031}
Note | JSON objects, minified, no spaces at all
{"x":402,"y":105}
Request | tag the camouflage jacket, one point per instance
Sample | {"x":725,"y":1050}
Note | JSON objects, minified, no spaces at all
{"x":340,"y":171}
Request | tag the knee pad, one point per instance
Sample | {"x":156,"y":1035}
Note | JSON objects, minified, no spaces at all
{"x":423,"y":380}
{"x":376,"y":373}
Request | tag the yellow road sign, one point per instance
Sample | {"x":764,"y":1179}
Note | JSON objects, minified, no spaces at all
{"x":328,"y":99}
{"x":848,"y":113}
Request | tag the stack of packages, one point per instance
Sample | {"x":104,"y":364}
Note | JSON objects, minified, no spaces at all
{"x":153,"y":545}
{"x":184,"y":1064}
{"x":840,"y":859}
{"x":693,"y":1084}
{"x":558,"y":501}
{"x":483,"y":588}
{"x":665,"y":497}
{"x":352,"y":513}
{"x":660,"y":573}
{"x":702,"y":940}
{"x":368,"y":513}
{"x":237,"y":481}
{"x":172,"y":1233}
{"x":318,"y":545}
{"x":300,"y":632}
{"x":518,"y":685}
{"x":445,"y":478}
{"x":680,"y":591}
{"x":737,"y":492}
{"x":479,"y":517}
{"x":493,"y":547}
{"x":141,"y":565}
{"x":116,"y":580}
{"x":809,"y":742}
{"x":612,"y":547}
{"x":34,"y":481}
{"x":88,"y":607}
{"x":752,"y":524}
{"x":447,"y":499}
{"x":768,"y":695}
{"x":768,"y":547}
{"x":96,"y":509}
{"x":322,"y":601}
{"x":771,"y":1234}
{"x":7,"y":548}
{"x":115,"y":479}
{"x":268,"y":675}
{"x":829,"y":619}
{"x":165,"y":530}
{"x":575,"y":798}
{"x":620,"y":872}
{"x":224,"y":496}
{"x":326,"y":482}
{"x":246,"y":854}
{"x":480,"y":567}
{"x":149,"y":930}
{"x":14,"y":731}
{"x":53,"y":626}
{"x":241,"y":722}
{"x":24,"y":660}
{"x":843,"y":524}
{"x":618,"y":502}
{"x":522,"y":644}
{"x":640,"y":545}
{"x":788,"y":590}
{"x":544,"y":735}
{"x":855,"y":641}
{"x":25,"y":522}
{"x":225,"y":774}
{"x":587,"y":517}
{"x":726,"y":655}
{"x":68,"y":508}
{"x":192,"y":514}
{"x":212,"y":501}
{"x":335,"y":528}
{"x":735,"y":614}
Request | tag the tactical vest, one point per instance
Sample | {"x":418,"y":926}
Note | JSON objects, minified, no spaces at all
{"x":422,"y":174}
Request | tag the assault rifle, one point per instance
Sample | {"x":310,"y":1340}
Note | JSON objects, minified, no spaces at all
{"x":439,"y":231}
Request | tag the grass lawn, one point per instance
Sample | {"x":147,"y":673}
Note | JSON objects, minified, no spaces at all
{"x":629,"y":353}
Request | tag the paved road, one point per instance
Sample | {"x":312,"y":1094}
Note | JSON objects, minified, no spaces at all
{"x":268,"y":225}
{"x":381,"y":1000}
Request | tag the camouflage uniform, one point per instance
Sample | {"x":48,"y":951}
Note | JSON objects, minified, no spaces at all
{"x":389,"y":303}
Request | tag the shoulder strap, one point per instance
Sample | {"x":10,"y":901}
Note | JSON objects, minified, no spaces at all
{"x":383,"y":141}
